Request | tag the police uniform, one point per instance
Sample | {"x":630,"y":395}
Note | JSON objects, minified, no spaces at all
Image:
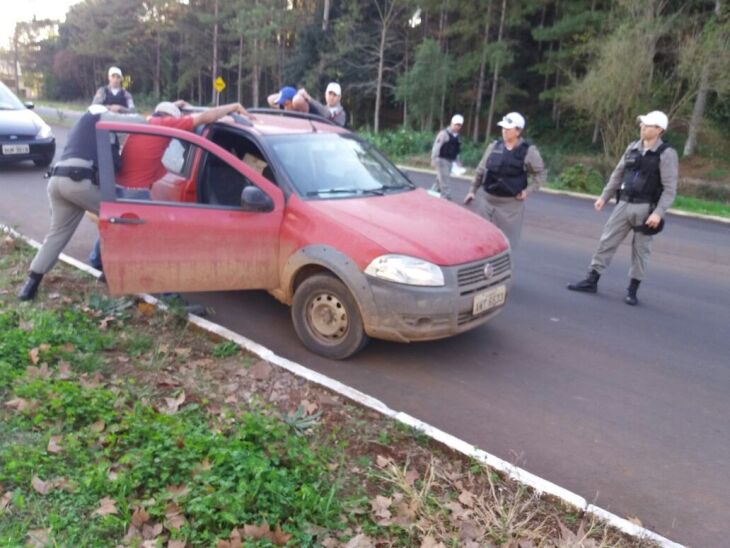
{"x":73,"y":188}
{"x":504,"y":173}
{"x":106,"y":96}
{"x":646,"y":182}
{"x":445,"y":151}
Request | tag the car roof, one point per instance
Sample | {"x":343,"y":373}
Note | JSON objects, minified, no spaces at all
{"x":284,"y":123}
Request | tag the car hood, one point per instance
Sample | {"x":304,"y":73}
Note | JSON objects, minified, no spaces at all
{"x":415,"y":223}
{"x":19,"y":122}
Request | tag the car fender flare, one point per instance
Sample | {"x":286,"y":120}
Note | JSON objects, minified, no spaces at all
{"x":342,"y":266}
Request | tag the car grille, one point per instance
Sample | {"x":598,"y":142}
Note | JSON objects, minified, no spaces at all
{"x":471,"y":277}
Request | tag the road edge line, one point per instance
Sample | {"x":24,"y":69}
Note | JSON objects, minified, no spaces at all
{"x":540,"y":485}
{"x":583,"y":195}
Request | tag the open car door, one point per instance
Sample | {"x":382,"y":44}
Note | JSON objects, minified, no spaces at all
{"x":150,"y":245}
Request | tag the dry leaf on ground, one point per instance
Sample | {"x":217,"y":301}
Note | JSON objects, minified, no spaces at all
{"x":54,"y":445}
{"x":360,"y":541}
{"x":177,"y":490}
{"x":234,"y":540}
{"x":429,"y":542}
{"x":38,"y":538}
{"x":174,"y":518}
{"x":64,"y":371}
{"x":139,"y":517}
{"x":261,"y":371}
{"x":5,"y":500}
{"x":107,"y":506}
{"x":176,"y":544}
{"x":20,"y":404}
{"x":173,"y":404}
{"x":380,"y":505}
{"x":97,"y":427}
{"x":151,"y":531}
{"x":146,"y":309}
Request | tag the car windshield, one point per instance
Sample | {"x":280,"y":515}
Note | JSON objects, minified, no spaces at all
{"x":331,"y":165}
{"x":8,"y":101}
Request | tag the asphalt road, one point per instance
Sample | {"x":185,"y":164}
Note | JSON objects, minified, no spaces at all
{"x":627,"y":406}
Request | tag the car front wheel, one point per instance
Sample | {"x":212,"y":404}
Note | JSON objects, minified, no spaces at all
{"x":327,"y":319}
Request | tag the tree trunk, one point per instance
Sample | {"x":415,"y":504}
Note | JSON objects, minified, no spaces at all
{"x":379,"y":84}
{"x":16,"y":66}
{"x":482,"y":72}
{"x":698,"y":113}
{"x":556,"y":104}
{"x":239,"y":91}
{"x":495,"y":76}
{"x":443,"y":22}
{"x":326,"y":15}
{"x":158,"y":65}
{"x":596,"y":133}
{"x":214,"y":72}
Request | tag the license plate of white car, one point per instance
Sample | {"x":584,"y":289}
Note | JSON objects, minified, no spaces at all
{"x":16,"y":149}
{"x":488,"y":299}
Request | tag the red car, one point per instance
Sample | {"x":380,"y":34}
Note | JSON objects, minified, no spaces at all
{"x":314,"y":215}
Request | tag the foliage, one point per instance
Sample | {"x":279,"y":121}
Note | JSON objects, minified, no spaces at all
{"x":402,"y":144}
{"x":580,"y":178}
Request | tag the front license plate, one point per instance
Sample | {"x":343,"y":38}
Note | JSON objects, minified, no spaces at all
{"x":16,"y":149}
{"x":488,"y":299}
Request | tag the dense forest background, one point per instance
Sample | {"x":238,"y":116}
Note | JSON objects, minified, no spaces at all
{"x":582,"y":68}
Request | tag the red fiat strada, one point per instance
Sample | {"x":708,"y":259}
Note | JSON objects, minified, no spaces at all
{"x":314,"y":215}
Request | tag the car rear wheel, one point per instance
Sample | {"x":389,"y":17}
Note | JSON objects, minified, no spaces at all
{"x":43,"y":162}
{"x":327,"y":319}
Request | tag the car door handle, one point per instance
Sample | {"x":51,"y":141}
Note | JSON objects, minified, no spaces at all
{"x":126,"y":221}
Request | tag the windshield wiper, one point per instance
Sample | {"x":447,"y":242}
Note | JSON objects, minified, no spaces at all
{"x":374,"y":191}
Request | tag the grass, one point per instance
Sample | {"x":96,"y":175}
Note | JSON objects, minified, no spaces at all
{"x":120,"y":425}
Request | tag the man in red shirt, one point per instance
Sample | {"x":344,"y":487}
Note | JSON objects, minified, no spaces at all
{"x":142,"y":154}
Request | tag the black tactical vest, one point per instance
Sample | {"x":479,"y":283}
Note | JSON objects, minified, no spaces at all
{"x":506,"y":175}
{"x":111,"y":99}
{"x":451,"y":148}
{"x":642,"y":178}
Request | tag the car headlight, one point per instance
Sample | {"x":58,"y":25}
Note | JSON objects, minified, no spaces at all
{"x":406,"y":270}
{"x":45,"y":132}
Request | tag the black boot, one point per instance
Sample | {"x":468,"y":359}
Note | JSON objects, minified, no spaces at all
{"x":588,"y":285}
{"x":631,"y":292}
{"x":30,"y":287}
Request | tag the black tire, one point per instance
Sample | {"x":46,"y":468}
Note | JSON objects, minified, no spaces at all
{"x":43,"y":162}
{"x":327,"y":319}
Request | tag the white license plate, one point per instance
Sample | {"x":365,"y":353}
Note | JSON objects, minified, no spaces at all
{"x":488,"y":299}
{"x":16,"y":149}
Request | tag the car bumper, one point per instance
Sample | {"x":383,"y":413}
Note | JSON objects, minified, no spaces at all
{"x":410,"y":313}
{"x":38,"y":149}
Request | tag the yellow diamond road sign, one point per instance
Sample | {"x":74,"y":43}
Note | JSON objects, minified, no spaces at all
{"x":219,"y":84}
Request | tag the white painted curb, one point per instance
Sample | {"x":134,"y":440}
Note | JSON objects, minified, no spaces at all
{"x":514,"y":472}
{"x":591,"y":197}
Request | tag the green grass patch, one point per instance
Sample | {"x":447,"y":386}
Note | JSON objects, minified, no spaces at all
{"x":704,"y":207}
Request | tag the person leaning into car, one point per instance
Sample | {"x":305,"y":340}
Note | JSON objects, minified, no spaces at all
{"x":73,"y":189}
{"x":504,"y":171}
{"x":142,"y":154}
{"x":645,"y":179}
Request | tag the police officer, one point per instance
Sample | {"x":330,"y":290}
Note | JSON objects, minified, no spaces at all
{"x":444,"y":153}
{"x":504,"y":171}
{"x":646,"y":182}
{"x":114,"y":96}
{"x":73,"y":188}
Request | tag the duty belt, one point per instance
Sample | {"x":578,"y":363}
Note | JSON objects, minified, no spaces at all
{"x":633,"y":200}
{"x":76,"y":173}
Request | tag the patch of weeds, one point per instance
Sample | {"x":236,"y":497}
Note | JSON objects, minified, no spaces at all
{"x":250,"y":472}
{"x":226,"y":349}
{"x":139,"y":344}
{"x":36,"y":335}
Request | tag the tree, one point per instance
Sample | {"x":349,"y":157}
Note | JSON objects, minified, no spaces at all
{"x":705,"y":59}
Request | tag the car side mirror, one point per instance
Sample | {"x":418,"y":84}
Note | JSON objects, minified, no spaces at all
{"x":29,"y":104}
{"x":255,"y":199}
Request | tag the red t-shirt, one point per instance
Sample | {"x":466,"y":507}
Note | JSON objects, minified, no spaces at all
{"x":142,"y":154}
